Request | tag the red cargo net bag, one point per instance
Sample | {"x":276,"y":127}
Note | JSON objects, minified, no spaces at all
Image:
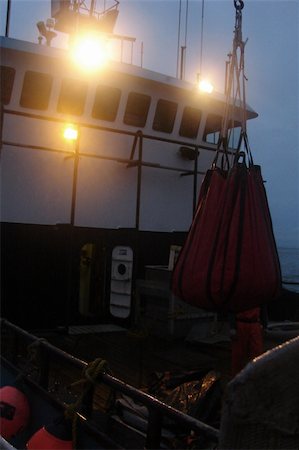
{"x":229,"y":261}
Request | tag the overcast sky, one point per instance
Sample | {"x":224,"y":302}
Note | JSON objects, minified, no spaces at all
{"x":272,"y":69}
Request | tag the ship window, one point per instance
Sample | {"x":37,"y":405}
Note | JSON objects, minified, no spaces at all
{"x":36,"y":90}
{"x":190,"y":122}
{"x":234,"y":135}
{"x":106,"y":103}
{"x":137,"y":109}
{"x":212,"y":128}
{"x":165,"y":116}
{"x":7,"y":77}
{"x":72,"y":97}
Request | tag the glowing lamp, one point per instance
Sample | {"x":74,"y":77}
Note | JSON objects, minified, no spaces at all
{"x":70,"y":133}
{"x":205,"y":86}
{"x":90,"y":52}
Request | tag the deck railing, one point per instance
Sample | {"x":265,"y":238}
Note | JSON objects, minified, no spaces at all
{"x":157,"y":410}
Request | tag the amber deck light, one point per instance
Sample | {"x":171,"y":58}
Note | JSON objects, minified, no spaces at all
{"x":70,"y":133}
{"x":90,"y":52}
{"x":205,"y":86}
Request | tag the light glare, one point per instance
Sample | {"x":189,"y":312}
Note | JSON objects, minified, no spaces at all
{"x":70,"y":133}
{"x":205,"y":86}
{"x":90,"y":52}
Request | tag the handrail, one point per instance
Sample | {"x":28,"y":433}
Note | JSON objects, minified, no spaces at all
{"x":4,"y":445}
{"x":129,"y":162}
{"x":155,"y":406}
{"x":182,"y":142}
{"x":138,"y":137}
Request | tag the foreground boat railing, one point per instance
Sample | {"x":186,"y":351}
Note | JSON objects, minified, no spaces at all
{"x":156,"y":409}
{"x":4,"y":445}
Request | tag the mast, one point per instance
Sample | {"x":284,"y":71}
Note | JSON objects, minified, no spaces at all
{"x":7,"y":23}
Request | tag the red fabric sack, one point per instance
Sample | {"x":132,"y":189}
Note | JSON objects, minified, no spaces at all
{"x":229,"y":260}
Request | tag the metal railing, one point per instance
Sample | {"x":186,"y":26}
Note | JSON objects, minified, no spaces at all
{"x":135,"y":159}
{"x":157,"y":410}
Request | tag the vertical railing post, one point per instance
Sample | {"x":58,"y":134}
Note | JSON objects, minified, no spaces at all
{"x":139,"y":173}
{"x":43,"y":362}
{"x":87,"y":402}
{"x":69,"y":302}
{"x":15,"y":346}
{"x":195,"y":179}
{"x":154,"y":428}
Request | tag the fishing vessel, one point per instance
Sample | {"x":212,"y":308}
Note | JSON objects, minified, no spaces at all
{"x":101,"y":173}
{"x":83,"y":219}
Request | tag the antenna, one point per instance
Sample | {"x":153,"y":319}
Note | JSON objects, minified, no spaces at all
{"x":46,"y":31}
{"x":8,"y":10}
{"x":179,"y":38}
{"x":201,"y":36}
{"x":181,"y":50}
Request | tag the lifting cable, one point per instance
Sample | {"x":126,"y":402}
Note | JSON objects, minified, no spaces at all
{"x":235,"y":92}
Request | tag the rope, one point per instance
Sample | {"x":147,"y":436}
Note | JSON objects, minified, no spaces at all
{"x":235,"y":91}
{"x":33,"y":351}
{"x":90,"y":375}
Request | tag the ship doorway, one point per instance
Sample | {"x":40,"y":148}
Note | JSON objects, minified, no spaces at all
{"x":92,"y":271}
{"x":105,"y":283}
{"x":121,"y":282}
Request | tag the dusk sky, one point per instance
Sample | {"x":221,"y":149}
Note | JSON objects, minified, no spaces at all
{"x":271,"y":65}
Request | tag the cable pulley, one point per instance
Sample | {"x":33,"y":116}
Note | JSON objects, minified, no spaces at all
{"x":239,"y":4}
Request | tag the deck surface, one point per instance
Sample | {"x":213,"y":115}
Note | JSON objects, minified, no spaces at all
{"x":133,"y":356}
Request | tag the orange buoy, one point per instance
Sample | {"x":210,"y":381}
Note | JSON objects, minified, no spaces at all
{"x":43,"y":440}
{"x":15,"y":411}
{"x":56,"y":436}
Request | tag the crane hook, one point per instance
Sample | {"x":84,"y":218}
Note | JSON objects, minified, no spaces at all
{"x":239,"y":4}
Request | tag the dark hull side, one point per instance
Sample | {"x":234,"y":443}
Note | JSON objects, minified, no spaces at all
{"x":40,"y":271}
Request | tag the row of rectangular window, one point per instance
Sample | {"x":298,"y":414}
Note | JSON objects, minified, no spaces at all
{"x":37,"y":89}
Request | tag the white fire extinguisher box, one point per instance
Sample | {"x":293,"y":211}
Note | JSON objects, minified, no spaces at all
{"x":121,"y":281}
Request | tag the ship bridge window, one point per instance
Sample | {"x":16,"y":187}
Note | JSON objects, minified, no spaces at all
{"x":72,"y":97}
{"x":137,"y":109}
{"x":165,"y":116}
{"x":7,"y":77}
{"x":234,"y":135}
{"x":212,"y":128}
{"x":36,"y":90}
{"x":106,"y":103}
{"x":190,"y":122}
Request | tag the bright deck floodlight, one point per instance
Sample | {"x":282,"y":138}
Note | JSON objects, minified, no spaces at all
{"x":70,"y":133}
{"x":90,"y":52}
{"x":205,"y":86}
